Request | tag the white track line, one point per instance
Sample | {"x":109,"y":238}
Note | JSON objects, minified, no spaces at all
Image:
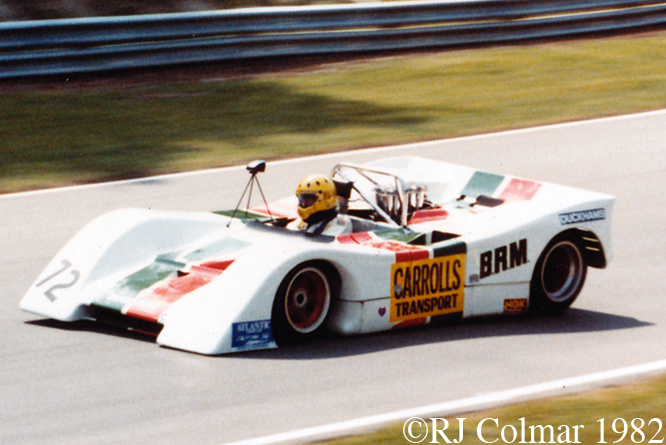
{"x":457,"y":406}
{"x":343,"y":153}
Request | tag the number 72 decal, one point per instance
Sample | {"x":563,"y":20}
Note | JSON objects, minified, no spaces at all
{"x":65,"y":282}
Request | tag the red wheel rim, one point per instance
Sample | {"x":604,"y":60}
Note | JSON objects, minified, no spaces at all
{"x":307,"y":300}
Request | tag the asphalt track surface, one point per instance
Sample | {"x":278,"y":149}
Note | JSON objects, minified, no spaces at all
{"x":86,"y":384}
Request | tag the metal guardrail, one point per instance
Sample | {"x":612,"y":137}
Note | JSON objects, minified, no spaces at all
{"x":52,"y":47}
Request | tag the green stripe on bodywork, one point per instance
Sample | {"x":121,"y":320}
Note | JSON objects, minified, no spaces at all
{"x":245,"y":215}
{"x":129,"y":287}
{"x":403,"y":235}
{"x":482,"y":183}
{"x":452,"y":248}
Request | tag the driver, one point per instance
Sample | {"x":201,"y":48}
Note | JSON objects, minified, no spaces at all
{"x":318,"y":207}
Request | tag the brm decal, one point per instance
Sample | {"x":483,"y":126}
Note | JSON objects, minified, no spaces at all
{"x":251,"y":334}
{"x":425,"y":288}
{"x":503,"y":258}
{"x":582,"y":216}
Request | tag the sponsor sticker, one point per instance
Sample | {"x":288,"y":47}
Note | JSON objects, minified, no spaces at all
{"x":251,"y":334}
{"x":503,"y":258}
{"x":582,"y":216}
{"x":428,"y":287}
{"x":515,"y":305}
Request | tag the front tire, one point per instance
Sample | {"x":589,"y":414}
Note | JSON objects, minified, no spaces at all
{"x":302,"y":303}
{"x":558,"y":277}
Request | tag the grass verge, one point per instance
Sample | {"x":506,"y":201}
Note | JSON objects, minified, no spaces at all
{"x":68,"y":136}
{"x":634,"y":405}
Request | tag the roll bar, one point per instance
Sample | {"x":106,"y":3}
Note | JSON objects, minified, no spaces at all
{"x":400,"y":187}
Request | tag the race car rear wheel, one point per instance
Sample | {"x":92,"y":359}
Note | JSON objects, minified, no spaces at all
{"x":558,"y":276}
{"x":302,"y":302}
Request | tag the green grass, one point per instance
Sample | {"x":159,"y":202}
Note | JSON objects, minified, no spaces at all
{"x":644,"y":400}
{"x":68,"y":136}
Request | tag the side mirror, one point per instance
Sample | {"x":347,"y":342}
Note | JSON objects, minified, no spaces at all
{"x":255,"y":167}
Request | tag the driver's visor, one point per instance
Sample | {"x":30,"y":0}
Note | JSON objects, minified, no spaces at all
{"x":306,"y":200}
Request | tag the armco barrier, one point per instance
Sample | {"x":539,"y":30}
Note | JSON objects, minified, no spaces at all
{"x":51,"y":47}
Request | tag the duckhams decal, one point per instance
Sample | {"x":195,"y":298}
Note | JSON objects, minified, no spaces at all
{"x":428,"y":287}
{"x":503,"y":258}
{"x":582,"y":216}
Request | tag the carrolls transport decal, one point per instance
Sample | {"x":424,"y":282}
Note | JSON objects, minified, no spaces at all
{"x":582,"y":216}
{"x":427,"y":287}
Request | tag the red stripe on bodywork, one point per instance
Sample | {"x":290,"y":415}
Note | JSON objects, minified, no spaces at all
{"x":410,"y":323}
{"x":421,"y":216}
{"x":217,"y":265}
{"x":403,"y":252}
{"x":152,"y":304}
{"x":415,"y":254}
{"x":279,"y":209}
{"x":519,"y":190}
{"x":354,"y":238}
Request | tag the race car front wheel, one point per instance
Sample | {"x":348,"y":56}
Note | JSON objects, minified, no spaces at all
{"x":558,"y":277}
{"x":302,"y":302}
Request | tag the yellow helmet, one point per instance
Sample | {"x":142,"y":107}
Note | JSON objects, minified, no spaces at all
{"x":315,"y":193}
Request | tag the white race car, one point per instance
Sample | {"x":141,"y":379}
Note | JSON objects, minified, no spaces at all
{"x":430,"y":242}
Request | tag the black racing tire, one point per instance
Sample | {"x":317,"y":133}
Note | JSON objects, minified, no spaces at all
{"x":302,"y":302}
{"x":558,"y":277}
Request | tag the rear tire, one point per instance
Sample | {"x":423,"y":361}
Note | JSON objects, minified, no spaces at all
{"x":302,"y":303}
{"x":558,"y":277}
